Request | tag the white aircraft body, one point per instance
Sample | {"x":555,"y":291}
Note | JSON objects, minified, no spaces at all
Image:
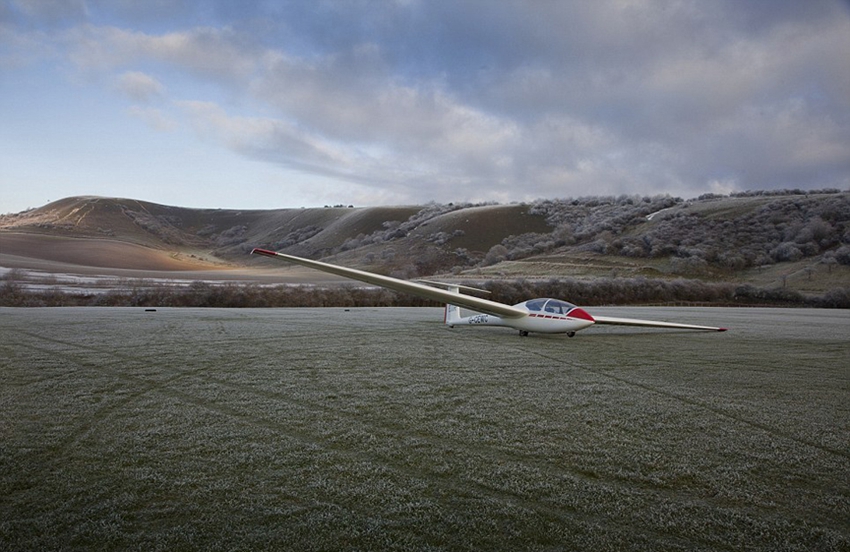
{"x":535,"y":315}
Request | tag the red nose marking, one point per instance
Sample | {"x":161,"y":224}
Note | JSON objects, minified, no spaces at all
{"x":580,"y":313}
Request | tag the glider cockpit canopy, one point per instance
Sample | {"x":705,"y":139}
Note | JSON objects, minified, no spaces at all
{"x":552,"y":306}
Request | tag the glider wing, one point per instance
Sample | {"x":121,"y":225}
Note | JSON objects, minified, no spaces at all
{"x":652,"y":324}
{"x":421,"y":290}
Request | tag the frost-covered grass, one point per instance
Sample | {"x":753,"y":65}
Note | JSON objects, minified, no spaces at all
{"x":380,"y":429}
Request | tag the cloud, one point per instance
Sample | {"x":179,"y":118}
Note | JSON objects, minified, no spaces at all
{"x":139,"y":87}
{"x":52,"y":11}
{"x":204,"y":53}
{"x":481,"y":100}
{"x":154,"y":118}
{"x":658,"y":112}
{"x":265,"y":139}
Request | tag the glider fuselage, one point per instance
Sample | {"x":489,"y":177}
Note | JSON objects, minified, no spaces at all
{"x":543,"y":316}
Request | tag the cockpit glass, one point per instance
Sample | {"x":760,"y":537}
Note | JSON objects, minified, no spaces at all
{"x":558,"y":307}
{"x":554,"y":306}
{"x":535,"y":304}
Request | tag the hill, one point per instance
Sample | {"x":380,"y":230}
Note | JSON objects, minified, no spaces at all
{"x":787,"y":239}
{"x":87,"y":230}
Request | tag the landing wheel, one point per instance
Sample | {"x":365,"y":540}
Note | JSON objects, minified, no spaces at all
{"x":571,"y":334}
{"x":523,"y":333}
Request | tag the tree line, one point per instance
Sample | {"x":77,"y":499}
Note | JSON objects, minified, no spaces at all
{"x":611,"y":291}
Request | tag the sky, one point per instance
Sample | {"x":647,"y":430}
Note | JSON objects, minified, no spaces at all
{"x":271,"y":104}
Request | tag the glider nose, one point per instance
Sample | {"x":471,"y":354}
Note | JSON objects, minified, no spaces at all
{"x":581,"y":314}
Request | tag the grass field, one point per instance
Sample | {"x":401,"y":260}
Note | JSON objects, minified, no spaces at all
{"x":381,"y":429}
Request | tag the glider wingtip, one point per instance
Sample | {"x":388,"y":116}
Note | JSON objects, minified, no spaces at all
{"x":722,"y":329}
{"x":266,"y":252}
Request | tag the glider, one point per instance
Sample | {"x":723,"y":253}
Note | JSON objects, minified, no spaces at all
{"x":535,"y":315}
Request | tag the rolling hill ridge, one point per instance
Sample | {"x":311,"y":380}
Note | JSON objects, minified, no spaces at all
{"x":785,"y":238}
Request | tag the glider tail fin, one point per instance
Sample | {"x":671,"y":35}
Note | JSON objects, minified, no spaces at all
{"x":452,"y":315}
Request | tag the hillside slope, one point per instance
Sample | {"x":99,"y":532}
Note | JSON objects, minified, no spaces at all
{"x":85,"y":231}
{"x":792,"y":238}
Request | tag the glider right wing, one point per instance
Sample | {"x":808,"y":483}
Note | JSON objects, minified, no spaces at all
{"x":651,"y":323}
{"x":421,"y":290}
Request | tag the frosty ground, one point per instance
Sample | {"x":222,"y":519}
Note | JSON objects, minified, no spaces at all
{"x":335,"y":429}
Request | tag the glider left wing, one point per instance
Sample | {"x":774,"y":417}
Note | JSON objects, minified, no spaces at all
{"x":467,"y":301}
